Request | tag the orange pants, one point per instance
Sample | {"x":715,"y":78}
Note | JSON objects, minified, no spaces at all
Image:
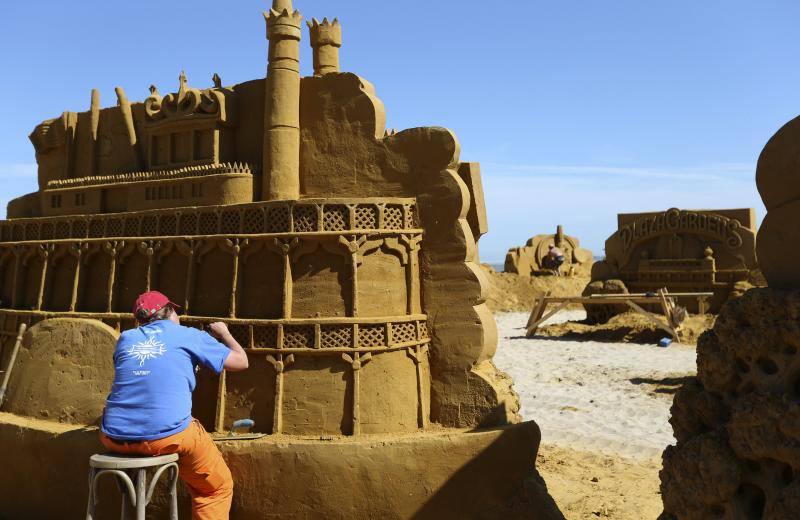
{"x":200,"y":465}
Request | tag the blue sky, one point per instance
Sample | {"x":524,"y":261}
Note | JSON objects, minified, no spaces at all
{"x":577,"y":110}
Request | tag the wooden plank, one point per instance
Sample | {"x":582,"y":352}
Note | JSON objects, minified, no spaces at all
{"x":538,"y":308}
{"x":652,"y":319}
{"x":531,"y":329}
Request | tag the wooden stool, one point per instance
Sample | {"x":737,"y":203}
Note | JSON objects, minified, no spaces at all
{"x":122,"y":466}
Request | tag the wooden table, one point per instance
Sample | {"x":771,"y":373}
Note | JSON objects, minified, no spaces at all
{"x":669,"y":321}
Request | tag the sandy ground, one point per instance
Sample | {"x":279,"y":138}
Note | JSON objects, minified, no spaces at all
{"x":603,"y":409}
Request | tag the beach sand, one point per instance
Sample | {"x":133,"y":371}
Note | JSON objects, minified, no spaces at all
{"x":603,"y":409}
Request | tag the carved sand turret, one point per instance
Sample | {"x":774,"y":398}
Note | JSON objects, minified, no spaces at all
{"x":282,"y":104}
{"x":326,"y":39}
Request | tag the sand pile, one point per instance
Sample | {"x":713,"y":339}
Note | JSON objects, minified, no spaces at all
{"x":603,"y":409}
{"x":510,"y":292}
{"x":630,"y":327}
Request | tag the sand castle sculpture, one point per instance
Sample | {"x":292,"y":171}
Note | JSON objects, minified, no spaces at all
{"x":528,"y":260}
{"x":682,"y":250}
{"x":342,"y":256}
{"x":737,"y":424}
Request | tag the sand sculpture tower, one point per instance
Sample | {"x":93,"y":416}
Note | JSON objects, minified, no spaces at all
{"x":342,"y":257}
{"x":282,"y":101}
{"x":326,"y":38}
{"x":737,"y":424}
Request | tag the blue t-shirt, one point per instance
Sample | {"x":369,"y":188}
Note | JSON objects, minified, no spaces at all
{"x":154,"y":378}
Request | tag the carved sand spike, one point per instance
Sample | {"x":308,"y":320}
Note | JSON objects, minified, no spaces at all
{"x":412,"y":272}
{"x":130,"y":128}
{"x":235,"y":246}
{"x":112,"y":247}
{"x":77,"y":250}
{"x":285,"y":247}
{"x":353,"y":245}
{"x":189,"y":248}
{"x":45,"y":251}
{"x":149,"y":248}
{"x":417,"y":354}
{"x":357,"y":360}
{"x":279,"y":363}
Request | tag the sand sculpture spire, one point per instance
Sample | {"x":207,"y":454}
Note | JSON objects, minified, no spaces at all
{"x":281,"y":155}
{"x":326,"y":38}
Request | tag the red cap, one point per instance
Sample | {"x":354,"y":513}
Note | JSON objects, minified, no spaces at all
{"x":151,"y":302}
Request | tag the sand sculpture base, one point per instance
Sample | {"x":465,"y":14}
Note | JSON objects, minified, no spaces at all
{"x":738,"y":423}
{"x":438,"y":474}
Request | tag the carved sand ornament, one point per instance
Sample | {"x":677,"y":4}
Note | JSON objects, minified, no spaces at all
{"x":279,"y":363}
{"x":219,"y":416}
{"x":418,"y":353}
{"x":356,"y":361}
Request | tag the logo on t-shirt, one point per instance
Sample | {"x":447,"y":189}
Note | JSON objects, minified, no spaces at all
{"x":151,"y":348}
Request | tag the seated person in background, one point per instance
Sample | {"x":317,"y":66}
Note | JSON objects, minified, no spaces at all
{"x":149,"y":409}
{"x":554,"y":259}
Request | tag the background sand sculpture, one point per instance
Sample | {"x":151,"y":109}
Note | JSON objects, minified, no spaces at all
{"x":528,"y":260}
{"x":342,"y":256}
{"x":682,"y":250}
{"x":737,"y":423}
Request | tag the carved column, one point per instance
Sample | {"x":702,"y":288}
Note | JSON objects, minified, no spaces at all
{"x":412,"y":272}
{"x":45,"y":251}
{"x":112,"y":247}
{"x":77,"y":250}
{"x":149,"y":248}
{"x":285,"y":248}
{"x":356,"y":361}
{"x":219,"y":418}
{"x":234,"y":246}
{"x":19,"y":251}
{"x":281,"y":155}
{"x":353,"y":245}
{"x":189,"y":248}
{"x":279,"y":362}
{"x":417,"y":354}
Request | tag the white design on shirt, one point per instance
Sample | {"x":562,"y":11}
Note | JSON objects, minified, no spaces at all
{"x":151,"y":348}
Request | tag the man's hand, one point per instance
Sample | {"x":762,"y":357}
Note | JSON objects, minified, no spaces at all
{"x":218,"y":329}
{"x":237,"y":359}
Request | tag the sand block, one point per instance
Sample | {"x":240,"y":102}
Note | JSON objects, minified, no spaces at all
{"x":447,"y":473}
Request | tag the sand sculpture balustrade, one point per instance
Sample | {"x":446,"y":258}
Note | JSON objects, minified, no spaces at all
{"x":342,"y":256}
{"x":530,"y":260}
{"x":682,"y":250}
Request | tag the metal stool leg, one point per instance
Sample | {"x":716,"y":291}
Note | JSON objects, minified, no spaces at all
{"x":173,"y":493}
{"x":90,"y":503}
{"x":141,"y":493}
